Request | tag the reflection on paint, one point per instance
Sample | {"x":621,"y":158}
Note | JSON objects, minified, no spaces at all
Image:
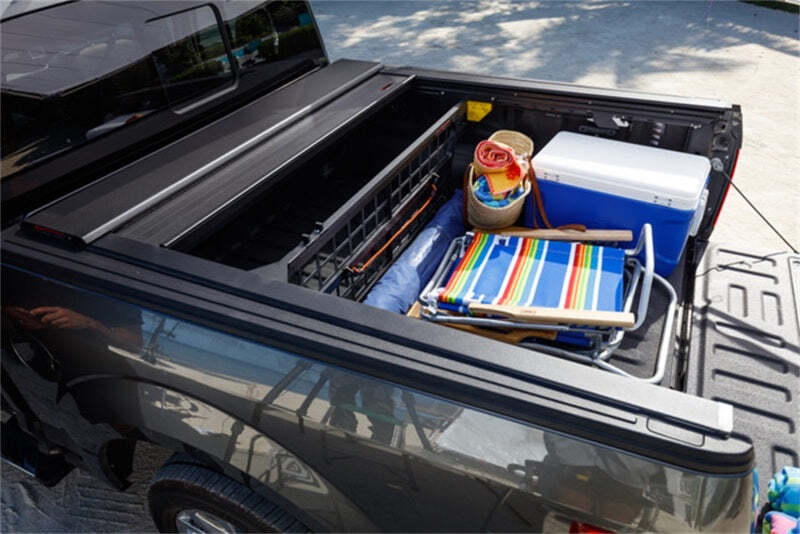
{"x":324,"y":437}
{"x":571,"y":476}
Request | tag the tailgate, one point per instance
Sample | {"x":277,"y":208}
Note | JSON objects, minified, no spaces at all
{"x":745,"y":349}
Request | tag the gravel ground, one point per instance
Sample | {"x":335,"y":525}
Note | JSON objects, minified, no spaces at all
{"x":727,"y":50}
{"x":80,"y":502}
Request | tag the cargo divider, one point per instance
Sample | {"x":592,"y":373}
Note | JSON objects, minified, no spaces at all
{"x":364,"y":223}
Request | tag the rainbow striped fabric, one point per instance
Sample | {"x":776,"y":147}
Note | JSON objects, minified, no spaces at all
{"x":534,"y":272}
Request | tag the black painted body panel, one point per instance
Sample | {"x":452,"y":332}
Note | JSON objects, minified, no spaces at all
{"x":233,"y":376}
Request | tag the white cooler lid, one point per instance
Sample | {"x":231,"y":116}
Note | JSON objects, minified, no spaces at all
{"x":645,"y":173}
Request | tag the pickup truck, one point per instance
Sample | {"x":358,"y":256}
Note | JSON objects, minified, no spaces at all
{"x":186,"y":189}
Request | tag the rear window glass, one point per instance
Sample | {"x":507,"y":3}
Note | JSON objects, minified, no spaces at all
{"x":196,"y":61}
{"x":78,"y":71}
{"x":267,"y":33}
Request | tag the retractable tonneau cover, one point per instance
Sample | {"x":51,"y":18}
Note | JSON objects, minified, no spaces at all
{"x":330,"y":98}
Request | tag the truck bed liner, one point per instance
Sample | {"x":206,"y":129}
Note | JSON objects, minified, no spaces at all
{"x":637,"y":352}
{"x":745,"y":349}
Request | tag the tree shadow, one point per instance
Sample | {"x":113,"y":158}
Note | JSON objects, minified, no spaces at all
{"x":555,"y":40}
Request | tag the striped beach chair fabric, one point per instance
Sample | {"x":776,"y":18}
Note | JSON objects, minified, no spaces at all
{"x":519,"y":271}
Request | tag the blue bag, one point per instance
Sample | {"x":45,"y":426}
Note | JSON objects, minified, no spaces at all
{"x":400,"y":286}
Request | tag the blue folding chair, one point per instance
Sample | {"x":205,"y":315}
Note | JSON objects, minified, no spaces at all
{"x":581,"y":292}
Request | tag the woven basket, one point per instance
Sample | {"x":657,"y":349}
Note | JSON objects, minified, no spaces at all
{"x":486,"y":217}
{"x":521,"y":143}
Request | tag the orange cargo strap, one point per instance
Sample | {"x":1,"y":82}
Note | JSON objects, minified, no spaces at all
{"x":361,"y":268}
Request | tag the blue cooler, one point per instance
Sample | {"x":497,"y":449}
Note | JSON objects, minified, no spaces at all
{"x":607,"y":184}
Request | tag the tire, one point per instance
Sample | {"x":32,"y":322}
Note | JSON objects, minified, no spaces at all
{"x":184,"y":489}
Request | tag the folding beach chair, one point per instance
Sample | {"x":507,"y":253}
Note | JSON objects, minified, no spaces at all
{"x":581,"y":292}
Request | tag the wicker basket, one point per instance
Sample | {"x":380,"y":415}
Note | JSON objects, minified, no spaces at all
{"x":486,"y":217}
{"x":521,"y":143}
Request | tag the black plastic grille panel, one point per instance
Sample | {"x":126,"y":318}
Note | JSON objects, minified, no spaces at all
{"x":365,"y":223}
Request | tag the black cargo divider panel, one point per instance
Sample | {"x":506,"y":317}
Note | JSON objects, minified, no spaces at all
{"x":347,"y":254}
{"x":98,"y":208}
{"x":745,"y":350}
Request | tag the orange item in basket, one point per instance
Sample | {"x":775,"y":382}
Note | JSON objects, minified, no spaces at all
{"x":500,"y":166}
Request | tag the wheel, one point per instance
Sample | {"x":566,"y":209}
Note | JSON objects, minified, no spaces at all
{"x":190,"y":498}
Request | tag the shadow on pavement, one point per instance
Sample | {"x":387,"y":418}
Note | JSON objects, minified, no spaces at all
{"x":554,"y":40}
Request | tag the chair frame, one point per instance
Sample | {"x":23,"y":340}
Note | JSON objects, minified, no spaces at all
{"x":605,"y":336}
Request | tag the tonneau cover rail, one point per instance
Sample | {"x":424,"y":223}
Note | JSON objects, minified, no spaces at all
{"x":104,"y":205}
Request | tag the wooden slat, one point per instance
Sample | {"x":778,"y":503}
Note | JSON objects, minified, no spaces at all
{"x":415,"y":311}
{"x":510,"y":336}
{"x":556,"y":315}
{"x":620,"y":236}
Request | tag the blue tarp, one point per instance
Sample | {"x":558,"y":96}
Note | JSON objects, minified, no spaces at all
{"x":398,"y":289}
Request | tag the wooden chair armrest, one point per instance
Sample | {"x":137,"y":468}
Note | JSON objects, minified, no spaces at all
{"x":557,"y":315}
{"x":621,"y":236}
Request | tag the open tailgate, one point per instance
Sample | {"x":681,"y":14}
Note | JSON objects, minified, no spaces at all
{"x":746,"y":349}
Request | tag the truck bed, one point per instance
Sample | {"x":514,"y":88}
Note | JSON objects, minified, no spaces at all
{"x":316,"y":236}
{"x":323,"y":190}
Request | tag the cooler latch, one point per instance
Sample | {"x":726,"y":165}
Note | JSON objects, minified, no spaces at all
{"x":699,"y":213}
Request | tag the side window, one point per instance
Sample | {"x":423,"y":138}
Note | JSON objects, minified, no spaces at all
{"x":271,"y":32}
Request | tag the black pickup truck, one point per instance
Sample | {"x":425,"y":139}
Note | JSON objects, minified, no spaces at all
{"x":186,"y":188}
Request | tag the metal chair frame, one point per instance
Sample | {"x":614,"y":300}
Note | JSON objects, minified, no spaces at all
{"x":603,"y":340}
